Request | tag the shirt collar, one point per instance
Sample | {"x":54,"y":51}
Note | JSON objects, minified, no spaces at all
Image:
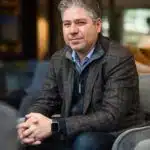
{"x":75,"y":57}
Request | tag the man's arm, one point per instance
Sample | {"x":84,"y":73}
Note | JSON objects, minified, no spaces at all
{"x":46,"y":104}
{"x":121,"y":90}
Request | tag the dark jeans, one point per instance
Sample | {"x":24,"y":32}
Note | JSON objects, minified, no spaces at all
{"x":84,"y":141}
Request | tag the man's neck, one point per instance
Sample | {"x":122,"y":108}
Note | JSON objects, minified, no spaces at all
{"x":83,"y":54}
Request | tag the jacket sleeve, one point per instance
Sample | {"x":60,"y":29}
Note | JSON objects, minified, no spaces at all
{"x":121,"y":89}
{"x":49,"y":101}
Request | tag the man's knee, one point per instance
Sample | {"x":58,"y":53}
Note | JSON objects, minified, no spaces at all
{"x":93,"y":141}
{"x":83,"y":141}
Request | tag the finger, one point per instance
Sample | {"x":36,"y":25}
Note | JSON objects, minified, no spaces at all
{"x":27,"y":140}
{"x":36,"y":143}
{"x":36,"y":135}
{"x":32,"y":115}
{"x":27,"y":124}
{"x":29,"y":131}
{"x":32,"y":120}
{"x":29,"y":115}
{"x":20,"y":133}
{"x":32,"y":135}
{"x":23,"y":125}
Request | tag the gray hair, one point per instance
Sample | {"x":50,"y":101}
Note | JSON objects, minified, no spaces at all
{"x":91,"y":6}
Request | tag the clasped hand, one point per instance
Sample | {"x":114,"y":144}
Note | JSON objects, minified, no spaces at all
{"x":34,"y":129}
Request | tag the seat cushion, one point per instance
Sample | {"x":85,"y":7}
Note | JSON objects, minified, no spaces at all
{"x":133,"y":139}
{"x":143,"y":145}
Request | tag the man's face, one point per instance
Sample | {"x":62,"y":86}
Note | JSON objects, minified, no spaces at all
{"x":79,"y":30}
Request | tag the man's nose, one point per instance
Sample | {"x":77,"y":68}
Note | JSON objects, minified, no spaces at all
{"x":74,"y":29}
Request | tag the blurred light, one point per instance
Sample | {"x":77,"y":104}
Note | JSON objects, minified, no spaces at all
{"x":42,"y":35}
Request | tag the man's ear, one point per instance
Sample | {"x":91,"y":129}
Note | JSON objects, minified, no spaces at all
{"x":99,"y":25}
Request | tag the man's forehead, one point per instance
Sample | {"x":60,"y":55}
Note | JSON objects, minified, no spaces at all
{"x":75,"y":13}
{"x":75,"y":20}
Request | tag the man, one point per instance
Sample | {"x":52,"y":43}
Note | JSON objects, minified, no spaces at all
{"x":92,"y":82}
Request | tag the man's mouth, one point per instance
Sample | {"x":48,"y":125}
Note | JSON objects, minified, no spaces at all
{"x":76,"y":39}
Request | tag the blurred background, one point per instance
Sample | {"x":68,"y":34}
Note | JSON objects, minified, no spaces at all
{"x":30,"y":32}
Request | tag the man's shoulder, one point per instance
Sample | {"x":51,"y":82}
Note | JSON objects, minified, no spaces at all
{"x":117,"y":50}
{"x":113,"y":48}
{"x":58,"y":59}
{"x":59,"y":54}
{"x":115,"y":53}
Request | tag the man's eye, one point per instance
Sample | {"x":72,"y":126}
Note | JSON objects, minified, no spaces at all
{"x":66,"y":24}
{"x":81,"y":23}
